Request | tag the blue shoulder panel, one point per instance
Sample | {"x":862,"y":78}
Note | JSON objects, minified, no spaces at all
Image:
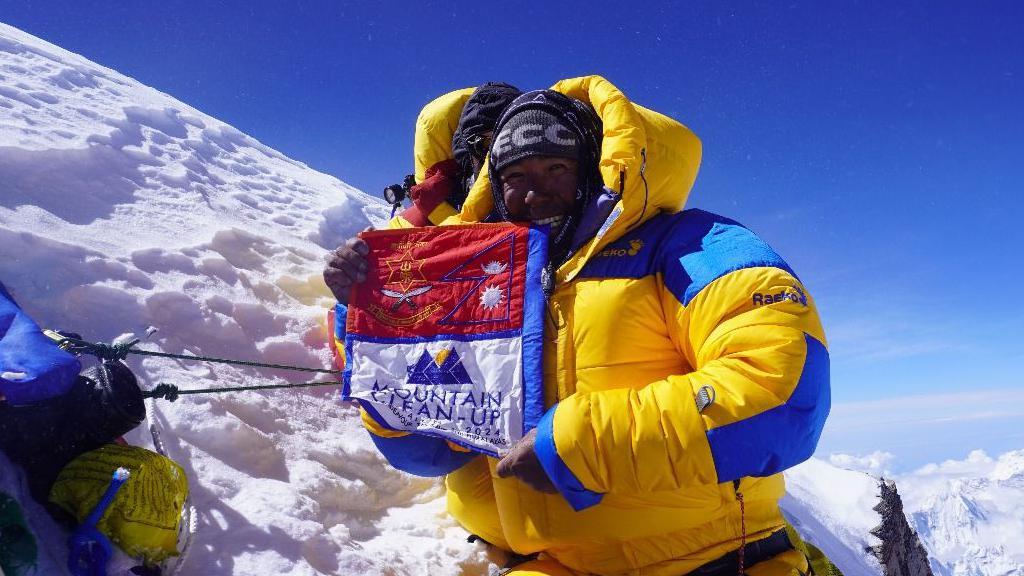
{"x":32,"y":367}
{"x":561,"y":476}
{"x":633,"y":255}
{"x":703,"y":247}
{"x":421,"y":455}
{"x":691,"y":249}
{"x":782,"y":437}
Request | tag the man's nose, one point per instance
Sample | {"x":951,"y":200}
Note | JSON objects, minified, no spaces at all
{"x":537,"y":190}
{"x":535,"y":195}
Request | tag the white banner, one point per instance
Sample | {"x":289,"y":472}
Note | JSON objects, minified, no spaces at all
{"x":440,"y":388}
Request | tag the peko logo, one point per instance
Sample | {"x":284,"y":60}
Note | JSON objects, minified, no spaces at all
{"x":634,"y":248}
{"x":793,"y":294}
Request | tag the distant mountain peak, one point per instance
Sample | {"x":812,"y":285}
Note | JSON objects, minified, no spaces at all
{"x":1010,"y":468}
{"x":900,"y":552}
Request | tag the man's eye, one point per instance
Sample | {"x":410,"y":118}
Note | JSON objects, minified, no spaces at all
{"x":558,"y":167}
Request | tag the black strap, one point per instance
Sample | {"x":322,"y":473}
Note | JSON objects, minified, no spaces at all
{"x":513,"y":558}
{"x":753,"y":552}
{"x":727,"y":565}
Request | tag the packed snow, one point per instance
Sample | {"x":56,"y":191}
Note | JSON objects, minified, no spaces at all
{"x":122,"y":208}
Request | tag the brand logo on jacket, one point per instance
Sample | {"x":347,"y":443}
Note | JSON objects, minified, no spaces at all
{"x":792,"y":294}
{"x":634,"y":248}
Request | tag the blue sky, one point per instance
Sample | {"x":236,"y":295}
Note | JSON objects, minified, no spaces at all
{"x":877,"y":147}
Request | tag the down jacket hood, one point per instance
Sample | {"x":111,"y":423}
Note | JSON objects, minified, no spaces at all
{"x":435,"y":127}
{"x":648,"y":158}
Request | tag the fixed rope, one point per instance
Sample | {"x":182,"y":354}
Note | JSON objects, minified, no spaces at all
{"x":121,"y":350}
{"x":170,"y":392}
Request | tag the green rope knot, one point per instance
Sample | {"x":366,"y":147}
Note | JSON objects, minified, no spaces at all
{"x":106,"y":352}
{"x":169,"y":392}
{"x":172,"y":392}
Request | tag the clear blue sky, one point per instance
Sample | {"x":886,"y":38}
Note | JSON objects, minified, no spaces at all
{"x":878,"y":148}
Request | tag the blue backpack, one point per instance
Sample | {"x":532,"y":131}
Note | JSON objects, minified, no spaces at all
{"x":32,"y":368}
{"x":50,"y":413}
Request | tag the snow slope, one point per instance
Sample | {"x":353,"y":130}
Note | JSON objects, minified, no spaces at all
{"x":122,"y":208}
{"x":832,"y":508}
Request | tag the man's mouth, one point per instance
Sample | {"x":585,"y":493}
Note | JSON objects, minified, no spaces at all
{"x":553,"y":221}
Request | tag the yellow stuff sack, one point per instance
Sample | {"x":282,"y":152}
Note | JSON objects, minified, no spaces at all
{"x":144,"y":516}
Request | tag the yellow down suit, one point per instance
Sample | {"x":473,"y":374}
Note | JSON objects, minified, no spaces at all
{"x":685,"y":368}
{"x":432,"y":144}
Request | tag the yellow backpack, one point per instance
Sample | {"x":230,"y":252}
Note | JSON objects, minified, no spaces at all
{"x":144,"y":516}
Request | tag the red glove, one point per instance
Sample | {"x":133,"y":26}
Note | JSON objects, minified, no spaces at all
{"x":438,"y":182}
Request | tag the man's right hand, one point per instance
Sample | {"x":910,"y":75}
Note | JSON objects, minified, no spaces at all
{"x":346,"y":266}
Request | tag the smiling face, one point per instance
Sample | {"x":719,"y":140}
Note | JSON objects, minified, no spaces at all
{"x":541,"y":189}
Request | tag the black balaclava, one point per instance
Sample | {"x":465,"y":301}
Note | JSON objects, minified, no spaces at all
{"x":556,"y":112}
{"x":478,"y":117}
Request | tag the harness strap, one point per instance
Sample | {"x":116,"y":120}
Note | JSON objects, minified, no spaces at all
{"x":753,"y":553}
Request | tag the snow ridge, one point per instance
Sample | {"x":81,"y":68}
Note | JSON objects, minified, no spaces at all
{"x":969,"y":514}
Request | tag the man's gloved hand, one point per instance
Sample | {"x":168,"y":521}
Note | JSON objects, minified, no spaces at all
{"x":346,"y":266}
{"x":522,"y":462}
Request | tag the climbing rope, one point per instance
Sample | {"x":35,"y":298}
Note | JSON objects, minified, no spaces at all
{"x":120,"y":350}
{"x":743,"y":531}
{"x":170,"y":392}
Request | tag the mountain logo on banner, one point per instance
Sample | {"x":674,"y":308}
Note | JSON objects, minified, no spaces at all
{"x":445,"y":368}
{"x":480,"y":304}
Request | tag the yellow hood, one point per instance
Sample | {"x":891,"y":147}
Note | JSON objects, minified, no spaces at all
{"x":435,"y":127}
{"x":637,"y":145}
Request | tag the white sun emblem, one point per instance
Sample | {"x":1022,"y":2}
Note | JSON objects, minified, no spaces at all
{"x":491,"y":297}
{"x":493,"y":268}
